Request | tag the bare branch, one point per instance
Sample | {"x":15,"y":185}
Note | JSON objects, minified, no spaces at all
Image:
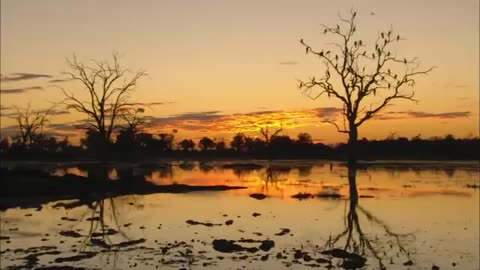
{"x":361,"y":76}
{"x":108,"y":95}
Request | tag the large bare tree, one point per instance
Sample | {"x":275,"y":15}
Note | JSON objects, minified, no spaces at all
{"x":365,"y":78}
{"x":108,"y":87}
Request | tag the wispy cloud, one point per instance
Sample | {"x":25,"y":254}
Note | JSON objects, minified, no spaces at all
{"x":60,"y":80}
{"x":289,"y":63}
{"x":19,"y":90}
{"x":5,"y":108}
{"x":50,"y":112}
{"x":445,"y":115}
{"x":150,"y":104}
{"x":58,"y":112}
{"x":392,"y":115}
{"x":455,"y":85}
{"x":22,"y":77}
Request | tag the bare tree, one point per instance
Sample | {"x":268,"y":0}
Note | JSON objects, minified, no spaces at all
{"x":133,"y":123}
{"x":108,"y":87}
{"x":133,"y":120}
{"x":365,"y":79}
{"x":269,"y":134}
{"x":30,"y":122}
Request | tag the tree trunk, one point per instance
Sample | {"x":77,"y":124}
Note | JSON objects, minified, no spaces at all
{"x":352,"y":144}
{"x":352,"y":183}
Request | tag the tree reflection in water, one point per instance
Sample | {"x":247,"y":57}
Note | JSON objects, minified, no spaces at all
{"x":99,"y":231}
{"x":358,"y":242}
{"x":271,"y":178}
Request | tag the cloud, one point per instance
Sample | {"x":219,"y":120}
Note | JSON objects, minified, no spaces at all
{"x":445,"y":115}
{"x":10,"y":114}
{"x":5,"y":108}
{"x":393,"y":115}
{"x":22,"y":77}
{"x":55,"y":130}
{"x":19,"y":90}
{"x":60,"y":80}
{"x":289,"y":63}
{"x":328,"y":112}
{"x":9,"y":131}
{"x":58,"y":112}
{"x":15,"y":114}
{"x":455,"y":85}
{"x":150,"y":104}
{"x":215,"y":121}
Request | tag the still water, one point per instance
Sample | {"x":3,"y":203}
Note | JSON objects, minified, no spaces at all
{"x":396,"y":215}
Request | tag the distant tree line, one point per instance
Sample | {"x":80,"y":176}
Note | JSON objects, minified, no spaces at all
{"x":140,"y":145}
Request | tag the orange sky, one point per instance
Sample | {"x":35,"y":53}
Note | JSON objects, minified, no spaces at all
{"x":219,"y":67}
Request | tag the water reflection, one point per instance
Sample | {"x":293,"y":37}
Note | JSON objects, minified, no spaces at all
{"x":353,"y":240}
{"x":99,"y":230}
{"x":442,"y":212}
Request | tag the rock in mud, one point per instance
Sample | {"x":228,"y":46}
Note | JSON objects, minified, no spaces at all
{"x":408,"y":263}
{"x":351,"y":260}
{"x":226,"y":246}
{"x":307,"y":257}
{"x":256,"y":214}
{"x":322,"y":260}
{"x":130,"y":243}
{"x":106,"y":232}
{"x":73,"y":234}
{"x":68,"y":219}
{"x":267,"y":245}
{"x":328,"y":195}
{"x":258,"y":196}
{"x":298,"y":254}
{"x":208,"y":224}
{"x":283,"y":231}
{"x":302,"y":196}
{"x":86,"y":255}
{"x":229,"y":222}
{"x":60,"y":267}
{"x":352,"y":264}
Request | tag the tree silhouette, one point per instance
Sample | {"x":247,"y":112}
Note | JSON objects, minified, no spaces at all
{"x":220,"y":146}
{"x":165,"y":141}
{"x":206,"y":144}
{"x":238,"y":142}
{"x":187,"y":144}
{"x":30,"y":123}
{"x":108,"y":88}
{"x":304,"y":138}
{"x":365,"y":79}
{"x":127,"y":136}
{"x":268,"y":134}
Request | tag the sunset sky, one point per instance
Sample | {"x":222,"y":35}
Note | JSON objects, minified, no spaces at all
{"x":220,"y":67}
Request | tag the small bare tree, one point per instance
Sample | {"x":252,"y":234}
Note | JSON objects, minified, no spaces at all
{"x":108,"y":87}
{"x":133,"y":120}
{"x":269,"y":134}
{"x":30,"y":122}
{"x":364,"y":78}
